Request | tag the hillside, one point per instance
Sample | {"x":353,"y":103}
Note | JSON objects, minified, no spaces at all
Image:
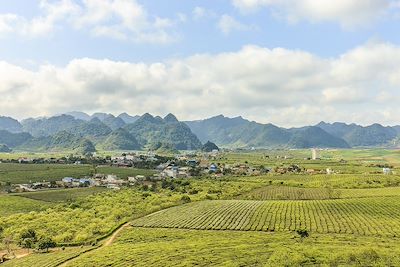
{"x":238,"y":132}
{"x":10,"y":124}
{"x":50,"y":126}
{"x":61,"y":141}
{"x":356,"y":135}
{"x":149,"y":130}
{"x":13,"y":139}
{"x":104,"y":131}
{"x":120,"y":140}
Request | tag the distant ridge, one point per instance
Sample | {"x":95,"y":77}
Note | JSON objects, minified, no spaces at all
{"x":127,"y":132}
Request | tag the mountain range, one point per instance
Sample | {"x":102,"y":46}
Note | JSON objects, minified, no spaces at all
{"x":83,"y":133}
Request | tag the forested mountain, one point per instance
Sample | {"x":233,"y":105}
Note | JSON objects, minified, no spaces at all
{"x":10,"y":124}
{"x":50,"y":126}
{"x":78,"y":131}
{"x":238,"y":132}
{"x":149,"y":130}
{"x":60,"y":141}
{"x":356,"y":135}
{"x":128,"y":118}
{"x":120,"y":139}
{"x":13,"y":139}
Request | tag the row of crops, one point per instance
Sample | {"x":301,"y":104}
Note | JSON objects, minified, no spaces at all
{"x":298,"y":193}
{"x":52,"y":259}
{"x":363,"y":216}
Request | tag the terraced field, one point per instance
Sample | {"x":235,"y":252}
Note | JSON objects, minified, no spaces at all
{"x":298,"y":193}
{"x":362,"y":216}
{"x":52,"y":259}
{"x":178,"y":247}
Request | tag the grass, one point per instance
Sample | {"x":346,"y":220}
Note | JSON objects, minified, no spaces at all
{"x":13,"y":205}
{"x":363,"y":216}
{"x":26,"y":173}
{"x":62,"y":195}
{"x":177,"y":247}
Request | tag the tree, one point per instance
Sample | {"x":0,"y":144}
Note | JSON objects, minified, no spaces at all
{"x":185,"y":199}
{"x":303,"y":233}
{"x":28,"y":239}
{"x":45,"y":243}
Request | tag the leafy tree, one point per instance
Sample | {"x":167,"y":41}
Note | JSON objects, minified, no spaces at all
{"x":28,"y":239}
{"x":185,"y":199}
{"x":303,"y":233}
{"x":45,"y":243}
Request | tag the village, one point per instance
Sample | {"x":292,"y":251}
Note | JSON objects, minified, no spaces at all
{"x":178,"y":167}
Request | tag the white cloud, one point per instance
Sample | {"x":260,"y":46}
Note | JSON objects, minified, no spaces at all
{"x":199,"y":13}
{"x":285,"y":87}
{"x":118,"y":19}
{"x":228,"y":24}
{"x":348,"y":13}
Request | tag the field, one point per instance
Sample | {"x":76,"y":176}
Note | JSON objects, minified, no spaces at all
{"x":177,"y":247}
{"x":26,"y":173}
{"x":364,"y":216}
{"x":13,"y":205}
{"x":298,"y":193}
{"x":62,"y":195}
{"x":52,"y":259}
{"x":351,"y":218}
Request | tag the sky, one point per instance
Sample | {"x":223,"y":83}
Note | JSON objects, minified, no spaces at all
{"x":287,"y":62}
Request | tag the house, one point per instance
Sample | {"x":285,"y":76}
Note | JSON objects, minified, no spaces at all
{"x":213,"y":168}
{"x":170,"y":171}
{"x":387,"y":171}
{"x":68,"y":180}
{"x":329,"y":171}
{"x":111,"y":178}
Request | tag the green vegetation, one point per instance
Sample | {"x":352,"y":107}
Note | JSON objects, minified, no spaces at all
{"x":364,"y":216}
{"x":25,"y":173}
{"x":300,"y":218}
{"x":13,"y":205}
{"x":150,"y":131}
{"x":62,"y":195}
{"x":52,"y":259}
{"x":175,"y":247}
{"x":298,"y":193}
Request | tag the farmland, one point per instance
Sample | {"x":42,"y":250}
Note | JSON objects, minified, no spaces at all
{"x":13,"y":205}
{"x":62,"y":195}
{"x":300,"y":193}
{"x":178,"y":247}
{"x":364,"y":216}
{"x":25,"y":173}
{"x":231,"y":220}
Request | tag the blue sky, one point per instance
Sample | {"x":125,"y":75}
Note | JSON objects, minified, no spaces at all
{"x":125,"y":55}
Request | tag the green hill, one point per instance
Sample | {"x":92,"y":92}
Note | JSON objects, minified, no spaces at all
{"x":149,"y":131}
{"x":238,"y":132}
{"x":120,"y":140}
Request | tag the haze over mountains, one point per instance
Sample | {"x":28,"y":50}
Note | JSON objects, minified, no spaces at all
{"x":78,"y":131}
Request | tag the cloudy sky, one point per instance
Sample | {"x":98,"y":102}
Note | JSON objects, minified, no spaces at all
{"x":288,"y":62}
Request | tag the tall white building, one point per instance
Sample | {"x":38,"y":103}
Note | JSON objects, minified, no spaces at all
{"x":315,"y":154}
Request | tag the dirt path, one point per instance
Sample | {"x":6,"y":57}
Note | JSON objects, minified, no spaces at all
{"x":107,"y":243}
{"x":115,"y":235}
